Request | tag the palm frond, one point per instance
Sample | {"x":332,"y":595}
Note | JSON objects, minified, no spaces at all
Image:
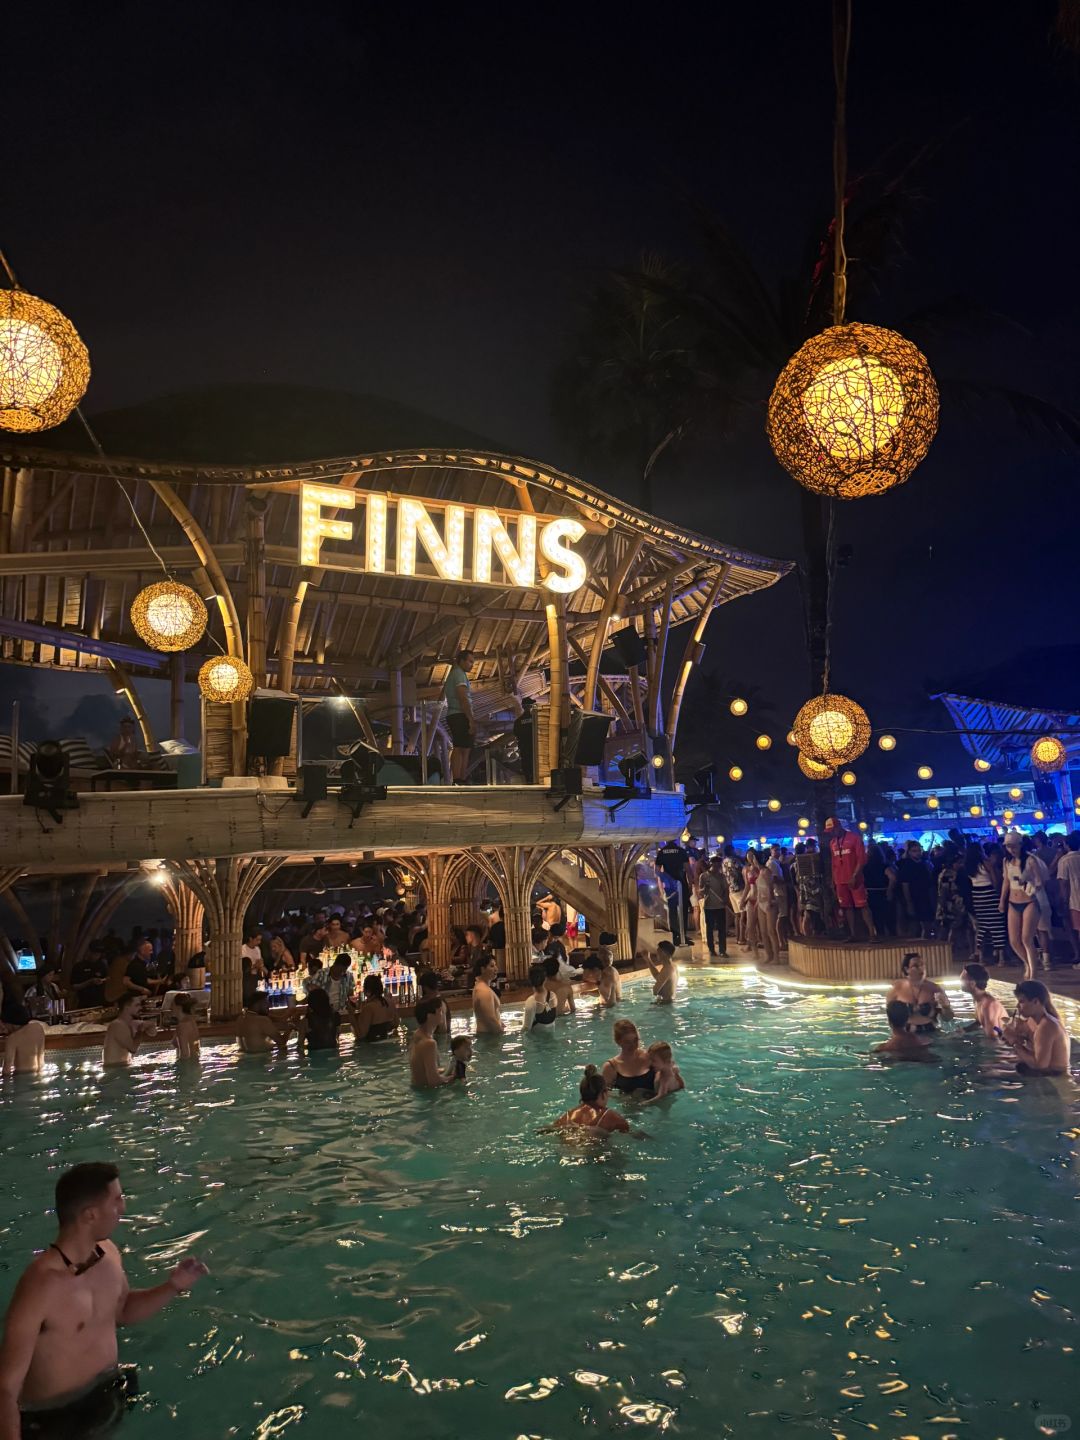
{"x":1033,"y":416}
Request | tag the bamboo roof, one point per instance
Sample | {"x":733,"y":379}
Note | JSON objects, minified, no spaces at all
{"x":72,"y":559}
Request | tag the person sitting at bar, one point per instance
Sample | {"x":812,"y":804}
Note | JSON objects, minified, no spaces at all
{"x":459,"y":717}
{"x":24,"y":1039}
{"x":123,"y":750}
{"x":903,"y":1043}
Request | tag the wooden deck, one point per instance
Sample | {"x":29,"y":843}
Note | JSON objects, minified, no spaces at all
{"x":127,"y":826}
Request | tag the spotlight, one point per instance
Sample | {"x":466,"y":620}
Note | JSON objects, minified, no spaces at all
{"x":658,"y":762}
{"x":633,"y":769}
{"x":47,"y":785}
{"x":359,"y":777}
{"x":632,"y":765}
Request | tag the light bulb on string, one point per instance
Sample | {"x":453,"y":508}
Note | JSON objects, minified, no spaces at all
{"x":886,"y":742}
{"x":738,"y":706}
{"x":763,"y":742}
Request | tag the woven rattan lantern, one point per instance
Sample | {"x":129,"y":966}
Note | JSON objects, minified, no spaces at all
{"x":1048,"y":754}
{"x":853,"y":412}
{"x":815,"y":769}
{"x":44,"y":366}
{"x":225,"y":679}
{"x":832,"y":729}
{"x":168,"y":616}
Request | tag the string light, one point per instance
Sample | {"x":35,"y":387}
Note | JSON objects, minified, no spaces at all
{"x":804,"y":823}
{"x":933,"y":803}
{"x":735,"y":773}
{"x":685,"y":836}
{"x":848,"y":777}
{"x":774,"y":805}
{"x":738,"y":706}
{"x":658,"y":762}
{"x":1016,"y":793}
{"x":863,"y":825}
{"x":924,"y":772}
{"x":763,"y":742}
{"x":887,"y":742}
{"x":1038,"y":815}
{"x":975,"y":810}
{"x":1008,"y":816}
{"x":982,"y":765}
{"x":905,"y":816}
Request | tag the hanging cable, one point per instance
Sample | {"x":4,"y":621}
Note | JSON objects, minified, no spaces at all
{"x":841,"y":51}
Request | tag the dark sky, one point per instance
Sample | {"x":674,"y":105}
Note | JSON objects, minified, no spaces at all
{"x":412,"y":201}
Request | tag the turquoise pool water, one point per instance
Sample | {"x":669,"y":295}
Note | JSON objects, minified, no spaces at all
{"x":805,"y":1244}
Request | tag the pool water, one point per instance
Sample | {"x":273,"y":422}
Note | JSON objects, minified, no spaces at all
{"x":806,"y":1241}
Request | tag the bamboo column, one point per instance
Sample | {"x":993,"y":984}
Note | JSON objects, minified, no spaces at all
{"x":616,"y":578}
{"x":514,"y":870}
{"x":187,"y":911}
{"x":397,"y":701}
{"x":616,"y":870}
{"x":226,"y":889}
{"x":693,"y":652}
{"x":255,"y":554}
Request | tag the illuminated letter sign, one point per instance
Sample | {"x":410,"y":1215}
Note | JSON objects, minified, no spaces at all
{"x":419,"y":539}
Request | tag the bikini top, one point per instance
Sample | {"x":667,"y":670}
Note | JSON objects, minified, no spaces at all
{"x":544,"y":1017}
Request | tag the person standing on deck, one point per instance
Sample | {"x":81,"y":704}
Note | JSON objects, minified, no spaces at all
{"x":459,"y":716}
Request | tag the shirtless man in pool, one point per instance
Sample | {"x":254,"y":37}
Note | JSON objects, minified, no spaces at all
{"x":58,"y":1359}
{"x":664,"y":972}
{"x":1042,"y":1047}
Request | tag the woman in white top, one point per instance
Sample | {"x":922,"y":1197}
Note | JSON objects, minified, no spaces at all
{"x":1020,"y":885}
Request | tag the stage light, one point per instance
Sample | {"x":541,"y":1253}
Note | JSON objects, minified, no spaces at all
{"x":774,"y":805}
{"x":982,"y":765}
{"x":763,"y":742}
{"x":848,"y":777}
{"x":735,"y":773}
{"x":631,"y":766}
{"x":48,"y":783}
{"x":924,"y":772}
{"x":886,"y":742}
{"x":738,"y":706}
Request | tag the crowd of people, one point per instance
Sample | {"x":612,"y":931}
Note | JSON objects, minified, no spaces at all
{"x":1003,"y":899}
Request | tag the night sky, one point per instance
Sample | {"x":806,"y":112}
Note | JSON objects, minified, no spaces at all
{"x":412,"y":202}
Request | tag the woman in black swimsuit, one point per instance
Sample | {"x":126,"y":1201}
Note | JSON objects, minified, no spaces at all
{"x":377,"y":1017}
{"x":631,"y":1071}
{"x":927,"y":1001}
{"x":319,"y":1028}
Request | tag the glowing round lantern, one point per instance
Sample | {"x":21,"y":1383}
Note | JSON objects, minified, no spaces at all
{"x":1038,"y":815}
{"x":685,"y":836}
{"x":905,"y":816}
{"x":774,"y":805}
{"x":1048,"y":754}
{"x":982,"y":765}
{"x":848,"y":777}
{"x":924,"y":772}
{"x":975,"y":810}
{"x":933,"y":802}
{"x":790,"y":738}
{"x":804,"y":823}
{"x":1016,"y":793}
{"x":832,"y":729}
{"x":1008,"y":816}
{"x":225,"y":680}
{"x":763,"y":742}
{"x":738,"y":707}
{"x":886,"y":742}
{"x":44,"y":366}
{"x":168,"y":616}
{"x":815,"y":769}
{"x":853,"y":411}
{"x":735,"y":773}
{"x":863,"y":825}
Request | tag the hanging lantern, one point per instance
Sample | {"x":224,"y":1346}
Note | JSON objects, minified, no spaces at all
{"x":905,"y":816}
{"x":738,"y":706}
{"x":1016,"y":793}
{"x":815,"y":769}
{"x":863,"y":825}
{"x":735,"y":773}
{"x":685,"y":836}
{"x":168,"y":616}
{"x":853,"y":411}
{"x":1048,"y":754}
{"x":975,"y":810}
{"x":933,"y":802}
{"x":44,"y":366}
{"x":804,"y":822}
{"x":763,"y":742}
{"x":790,"y":738}
{"x":832,"y":729}
{"x":1007,"y":815}
{"x":225,"y":679}
{"x":774,"y":805}
{"x":886,"y":742}
{"x":924,"y":772}
{"x":982,"y":765}
{"x":1038,"y":815}
{"x":848,"y":777}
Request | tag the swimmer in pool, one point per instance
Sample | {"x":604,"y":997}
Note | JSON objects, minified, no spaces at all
{"x":460,"y":1058}
{"x":631,"y":1071}
{"x":1042,"y":1048}
{"x":990,"y":1015}
{"x":903,"y":1043}
{"x":928,"y":1001}
{"x":664,"y":972}
{"x":595,"y":974}
{"x":593,"y":1113}
{"x":424,"y":1052}
{"x":666,"y":1080}
{"x":187,"y":1029}
{"x":258,"y":1031}
{"x":541,"y":1007}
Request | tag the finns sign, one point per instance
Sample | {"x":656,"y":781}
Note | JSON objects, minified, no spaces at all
{"x":467,"y":545}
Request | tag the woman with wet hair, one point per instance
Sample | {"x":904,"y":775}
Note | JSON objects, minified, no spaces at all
{"x":593,"y":1113}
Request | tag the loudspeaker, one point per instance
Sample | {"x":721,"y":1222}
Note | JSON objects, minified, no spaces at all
{"x":312,"y":785}
{"x":629,"y":646}
{"x":585,"y":737}
{"x":270,"y":724}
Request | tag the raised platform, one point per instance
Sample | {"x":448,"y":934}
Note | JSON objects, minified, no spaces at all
{"x":126,"y":826}
{"x":838,"y":962}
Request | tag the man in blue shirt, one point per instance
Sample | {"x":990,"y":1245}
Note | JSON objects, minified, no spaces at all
{"x":459,"y":716}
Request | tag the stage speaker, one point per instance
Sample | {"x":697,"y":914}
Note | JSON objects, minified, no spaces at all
{"x":312,"y":784}
{"x":270,"y":726}
{"x":629,"y":646}
{"x":585,"y":737}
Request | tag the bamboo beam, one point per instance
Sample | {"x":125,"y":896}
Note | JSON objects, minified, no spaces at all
{"x":692,"y":654}
{"x":132,"y":561}
{"x":661,"y":655}
{"x":617,"y":573}
{"x":123,"y":685}
{"x":176,"y":697}
{"x":256,"y":584}
{"x":61,"y":637}
{"x":207,"y":556}
{"x":606,"y":690}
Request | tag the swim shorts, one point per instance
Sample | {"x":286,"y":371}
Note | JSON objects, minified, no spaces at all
{"x":851,"y":897}
{"x":90,"y":1416}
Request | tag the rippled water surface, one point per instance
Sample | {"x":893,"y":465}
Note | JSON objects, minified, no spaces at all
{"x":805,"y":1240}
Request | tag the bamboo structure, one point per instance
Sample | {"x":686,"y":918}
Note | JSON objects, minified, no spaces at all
{"x":226,"y":889}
